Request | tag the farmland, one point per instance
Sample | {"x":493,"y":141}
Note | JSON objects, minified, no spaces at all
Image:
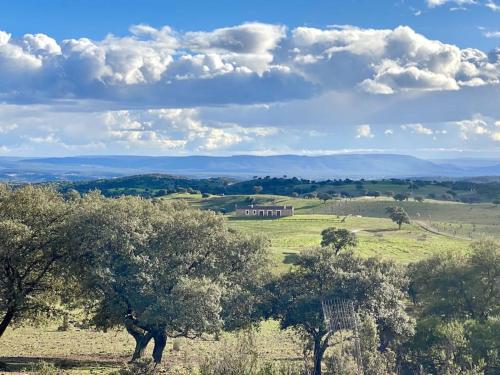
{"x":88,"y":351}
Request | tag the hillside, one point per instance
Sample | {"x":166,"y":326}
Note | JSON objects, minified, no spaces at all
{"x":355,"y":166}
{"x":156,"y":185}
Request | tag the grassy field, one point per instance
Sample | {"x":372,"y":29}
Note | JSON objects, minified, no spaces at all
{"x":377,"y":237}
{"x":87,"y":351}
{"x":91,"y":352}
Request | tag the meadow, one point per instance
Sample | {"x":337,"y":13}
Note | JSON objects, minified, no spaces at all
{"x":89,"y":351}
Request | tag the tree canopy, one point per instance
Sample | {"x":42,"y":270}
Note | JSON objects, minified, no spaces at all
{"x":338,"y":239}
{"x":376,"y":288}
{"x":164,"y":270}
{"x":398,"y":215}
{"x":34,"y":252}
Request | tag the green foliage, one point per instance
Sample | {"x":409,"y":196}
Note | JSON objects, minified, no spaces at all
{"x":457,"y":298}
{"x":375,"y":287}
{"x":240,"y":357}
{"x":34,"y":252}
{"x":398,"y":215}
{"x":459,"y":286}
{"x":338,"y":239}
{"x":164,"y":270}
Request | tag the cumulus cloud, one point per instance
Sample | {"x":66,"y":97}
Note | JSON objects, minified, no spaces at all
{"x":155,"y":131}
{"x":493,"y":6}
{"x":364,"y":131}
{"x":246,"y":64}
{"x":436,"y":3}
{"x":418,"y":129}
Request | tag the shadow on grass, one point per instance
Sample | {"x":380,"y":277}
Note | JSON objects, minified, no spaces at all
{"x":290,"y":258}
{"x":381,"y":230}
{"x":18,"y":364}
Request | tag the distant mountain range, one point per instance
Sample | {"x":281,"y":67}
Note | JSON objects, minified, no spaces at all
{"x":353,"y":166}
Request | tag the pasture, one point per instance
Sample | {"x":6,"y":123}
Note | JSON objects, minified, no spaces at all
{"x":92,"y":352}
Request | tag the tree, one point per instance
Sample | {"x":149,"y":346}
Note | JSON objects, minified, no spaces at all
{"x":163,"y":270}
{"x":257,"y":189}
{"x":338,"y":239}
{"x":401,"y":197}
{"x":377,"y":288}
{"x":398,"y":215}
{"x":459,"y":286}
{"x":34,"y":223}
{"x":457,"y":302}
{"x":324,"y":197}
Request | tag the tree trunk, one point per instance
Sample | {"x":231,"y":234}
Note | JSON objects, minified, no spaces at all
{"x":160,"y":338}
{"x":9,"y":315}
{"x":141,"y":337}
{"x":318,"y":356}
{"x":141,"y":342}
{"x":400,"y":225}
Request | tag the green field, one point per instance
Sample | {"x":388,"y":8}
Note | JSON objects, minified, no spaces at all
{"x":87,"y":351}
{"x":377,"y":237}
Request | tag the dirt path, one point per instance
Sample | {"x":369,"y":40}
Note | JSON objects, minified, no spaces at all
{"x":434,"y":231}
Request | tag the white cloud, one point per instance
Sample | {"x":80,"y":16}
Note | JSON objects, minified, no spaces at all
{"x":388,"y":132}
{"x":249,"y":63}
{"x":436,"y":3}
{"x":417,"y":128}
{"x":364,"y":131}
{"x":491,"y":34}
{"x":476,"y":126}
{"x":493,"y":6}
{"x":5,"y":128}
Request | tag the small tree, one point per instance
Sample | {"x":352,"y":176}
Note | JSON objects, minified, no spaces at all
{"x":324,"y":197}
{"x":376,"y":288}
{"x":338,"y":239}
{"x":398,"y":215}
{"x":401,"y":197}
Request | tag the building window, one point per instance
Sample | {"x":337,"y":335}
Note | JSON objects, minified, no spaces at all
{"x":261,"y":213}
{"x":278,"y":213}
{"x":247,"y":212}
{"x":255,"y":212}
{"x":269,"y":213}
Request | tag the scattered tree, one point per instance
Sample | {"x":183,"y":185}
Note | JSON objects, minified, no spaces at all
{"x":338,"y":239}
{"x":398,"y":215}
{"x":324,"y":197}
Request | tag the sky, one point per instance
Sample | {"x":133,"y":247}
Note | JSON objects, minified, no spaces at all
{"x":151,"y":77}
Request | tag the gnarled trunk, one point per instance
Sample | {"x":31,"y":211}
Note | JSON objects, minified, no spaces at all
{"x":160,"y":337}
{"x":9,"y":315}
{"x":141,"y":337}
{"x":141,"y":343}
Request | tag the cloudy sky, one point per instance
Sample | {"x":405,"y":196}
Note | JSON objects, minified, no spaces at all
{"x":419,"y":77}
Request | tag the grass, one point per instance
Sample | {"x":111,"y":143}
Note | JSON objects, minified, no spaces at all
{"x":87,"y":351}
{"x":91,"y":352}
{"x":377,"y":237}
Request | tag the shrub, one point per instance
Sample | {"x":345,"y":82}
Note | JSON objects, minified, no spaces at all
{"x":139,"y":367}
{"x":47,"y":368}
{"x":240,"y":357}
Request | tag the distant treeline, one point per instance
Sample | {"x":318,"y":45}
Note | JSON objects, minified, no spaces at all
{"x":157,"y":185}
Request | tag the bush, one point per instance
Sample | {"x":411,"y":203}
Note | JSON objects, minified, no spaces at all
{"x":47,"y":368}
{"x":139,"y":367}
{"x":240,"y":357}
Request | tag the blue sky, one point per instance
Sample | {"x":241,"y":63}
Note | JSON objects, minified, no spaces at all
{"x":419,"y":77}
